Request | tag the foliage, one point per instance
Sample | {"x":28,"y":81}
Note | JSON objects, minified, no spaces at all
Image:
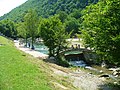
{"x":8,"y":28}
{"x":46,"y":8}
{"x":52,"y":31}
{"x":62,"y":61}
{"x":62,"y":16}
{"x":101,"y":29}
{"x":31,"y":24}
{"x":76,"y":13}
{"x":22,"y":31}
{"x":72,"y":24}
{"x":71,"y":21}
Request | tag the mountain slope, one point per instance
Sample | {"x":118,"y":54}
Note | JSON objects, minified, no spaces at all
{"x":46,"y":8}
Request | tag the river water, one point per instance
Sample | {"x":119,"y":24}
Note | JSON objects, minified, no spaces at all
{"x":40,"y":47}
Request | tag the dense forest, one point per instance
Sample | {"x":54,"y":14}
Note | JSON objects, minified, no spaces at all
{"x":69,"y":12}
{"x":46,"y":8}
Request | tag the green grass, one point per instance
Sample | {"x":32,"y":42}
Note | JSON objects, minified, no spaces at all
{"x":17,"y":72}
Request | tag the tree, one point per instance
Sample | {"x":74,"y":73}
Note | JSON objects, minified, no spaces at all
{"x":31,"y":22}
{"x":7,"y":27}
{"x":46,"y":8}
{"x":76,"y":13}
{"x":22,"y":31}
{"x":62,"y":16}
{"x":101,"y":29}
{"x":73,"y":25}
{"x":53,"y":33}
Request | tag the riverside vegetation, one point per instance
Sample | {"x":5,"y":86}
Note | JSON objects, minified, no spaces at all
{"x":96,"y":22}
{"x":97,"y":25}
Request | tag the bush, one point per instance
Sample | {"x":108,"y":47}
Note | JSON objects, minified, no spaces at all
{"x":62,"y":62}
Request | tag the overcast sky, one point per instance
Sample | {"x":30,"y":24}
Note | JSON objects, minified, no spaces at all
{"x":7,"y":5}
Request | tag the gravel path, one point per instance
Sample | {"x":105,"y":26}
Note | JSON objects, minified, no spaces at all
{"x":29,"y":51}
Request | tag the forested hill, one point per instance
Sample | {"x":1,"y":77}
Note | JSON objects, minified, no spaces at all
{"x":46,"y":8}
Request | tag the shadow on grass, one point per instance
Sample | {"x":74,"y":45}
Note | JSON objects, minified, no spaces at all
{"x":50,"y":61}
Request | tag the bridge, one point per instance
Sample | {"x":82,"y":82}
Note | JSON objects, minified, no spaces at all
{"x":77,"y":50}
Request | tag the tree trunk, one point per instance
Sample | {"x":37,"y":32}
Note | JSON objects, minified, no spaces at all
{"x":58,"y":51}
{"x":26,"y":41}
{"x":32,"y":43}
{"x":50,"y":52}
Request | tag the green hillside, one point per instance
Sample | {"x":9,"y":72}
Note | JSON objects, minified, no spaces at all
{"x":46,"y":8}
{"x":17,"y":72}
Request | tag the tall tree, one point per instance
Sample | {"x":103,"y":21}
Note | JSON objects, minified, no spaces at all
{"x":53,"y":33}
{"x":22,"y":31}
{"x":101,"y":29}
{"x":31,"y":22}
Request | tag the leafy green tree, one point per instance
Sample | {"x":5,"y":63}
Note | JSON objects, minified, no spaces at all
{"x":62,"y":16}
{"x":7,"y":27}
{"x":72,"y":25}
{"x":1,"y":27}
{"x":101,"y":29}
{"x":22,"y":31}
{"x":53,"y":33}
{"x":31,"y":22}
{"x":76,"y":13}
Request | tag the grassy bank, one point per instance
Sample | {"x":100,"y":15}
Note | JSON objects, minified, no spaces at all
{"x":17,"y":72}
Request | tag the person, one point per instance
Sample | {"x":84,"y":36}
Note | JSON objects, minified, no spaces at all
{"x":72,"y":47}
{"x":103,"y":64}
{"x":78,"y":46}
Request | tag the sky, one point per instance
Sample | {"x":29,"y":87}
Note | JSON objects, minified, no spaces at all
{"x":7,"y":5}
